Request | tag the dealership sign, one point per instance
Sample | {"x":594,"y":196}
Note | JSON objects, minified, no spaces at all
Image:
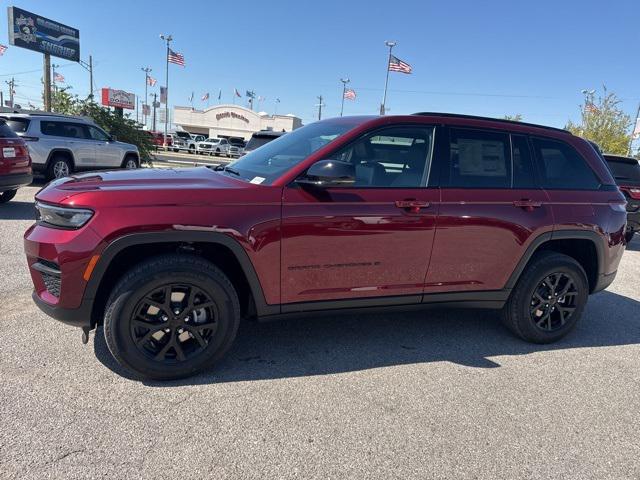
{"x":28,"y":30}
{"x":118,"y":98}
{"x":222,"y":115}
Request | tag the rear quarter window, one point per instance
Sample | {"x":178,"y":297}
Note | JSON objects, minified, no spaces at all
{"x":18,"y":125}
{"x":562,"y":167}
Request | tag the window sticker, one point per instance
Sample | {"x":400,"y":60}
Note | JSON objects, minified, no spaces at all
{"x":257,"y":180}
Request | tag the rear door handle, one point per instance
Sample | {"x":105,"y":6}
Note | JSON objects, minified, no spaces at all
{"x":526,"y":204}
{"x":412,"y":206}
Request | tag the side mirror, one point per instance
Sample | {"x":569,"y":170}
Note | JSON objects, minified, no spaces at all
{"x":329,"y":173}
{"x":113,"y":138}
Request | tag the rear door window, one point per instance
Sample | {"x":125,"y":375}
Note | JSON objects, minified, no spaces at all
{"x":562,"y":167}
{"x":479,"y":159}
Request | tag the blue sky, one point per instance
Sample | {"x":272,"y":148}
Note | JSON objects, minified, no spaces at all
{"x":479,"y":57}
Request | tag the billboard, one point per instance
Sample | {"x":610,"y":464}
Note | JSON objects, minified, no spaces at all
{"x":28,"y":30}
{"x":118,"y":98}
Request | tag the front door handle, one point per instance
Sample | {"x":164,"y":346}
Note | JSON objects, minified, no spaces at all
{"x":527,"y":204}
{"x":412,"y":206}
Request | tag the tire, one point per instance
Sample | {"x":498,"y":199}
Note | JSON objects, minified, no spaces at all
{"x":130,"y":162}
{"x":193,"y":277}
{"x":59,"y":167}
{"x":7,"y":196}
{"x":217,"y":151}
{"x":528,"y":320}
{"x":192,"y":150}
{"x":628,"y":236}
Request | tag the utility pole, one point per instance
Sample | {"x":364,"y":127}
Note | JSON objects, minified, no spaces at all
{"x":155,"y":96}
{"x":320,"y":105}
{"x":389,"y":44}
{"x":146,"y":71}
{"x":344,"y":90}
{"x":634,"y":126}
{"x":12,"y":85}
{"x":47,"y":82}
{"x":89,"y":68}
{"x":168,"y":39}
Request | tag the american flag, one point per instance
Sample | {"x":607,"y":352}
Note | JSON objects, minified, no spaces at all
{"x":205,"y":97}
{"x":3,"y":48}
{"x":636,"y":131}
{"x":591,"y":108}
{"x":236,"y":92}
{"x":151,"y":81}
{"x":350,"y":94}
{"x":175,"y":57}
{"x":397,"y":65}
{"x":58,"y":78}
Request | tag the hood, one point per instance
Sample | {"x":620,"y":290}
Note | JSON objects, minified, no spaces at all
{"x":145,"y":186}
{"x":128,"y":146}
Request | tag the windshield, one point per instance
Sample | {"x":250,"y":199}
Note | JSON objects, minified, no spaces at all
{"x":270,"y":161}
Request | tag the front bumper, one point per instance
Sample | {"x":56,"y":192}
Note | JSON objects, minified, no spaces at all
{"x":77,"y":317}
{"x":14,"y":181}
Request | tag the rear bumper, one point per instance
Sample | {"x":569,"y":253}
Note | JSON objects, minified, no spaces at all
{"x":14,"y":181}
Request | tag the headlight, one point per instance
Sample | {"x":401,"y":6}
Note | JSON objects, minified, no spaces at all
{"x":63,"y":217}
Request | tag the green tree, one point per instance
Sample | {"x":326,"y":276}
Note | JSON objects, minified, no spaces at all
{"x":604,"y":122}
{"x":123,"y":128}
{"x":514,"y":118}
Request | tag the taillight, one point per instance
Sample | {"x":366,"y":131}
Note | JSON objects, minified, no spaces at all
{"x":633,"y":192}
{"x":13,"y":151}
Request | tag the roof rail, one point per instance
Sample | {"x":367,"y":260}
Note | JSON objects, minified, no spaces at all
{"x":500,"y":120}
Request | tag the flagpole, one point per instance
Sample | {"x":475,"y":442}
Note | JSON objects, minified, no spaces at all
{"x":168,"y":39}
{"x":344,"y":90}
{"x":635,"y":125}
{"x":146,"y":71}
{"x":389,"y":44}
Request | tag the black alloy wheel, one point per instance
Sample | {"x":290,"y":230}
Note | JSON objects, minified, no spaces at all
{"x":174,"y":323}
{"x":554,"y":301}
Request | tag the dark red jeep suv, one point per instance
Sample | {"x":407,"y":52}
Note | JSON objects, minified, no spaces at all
{"x":342,"y":214}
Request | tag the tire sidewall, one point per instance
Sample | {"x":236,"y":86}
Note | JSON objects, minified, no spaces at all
{"x":526,"y":324}
{"x":127,"y":296}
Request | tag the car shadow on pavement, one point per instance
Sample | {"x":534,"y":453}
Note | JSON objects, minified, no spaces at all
{"x":347,"y":343}
{"x":17,"y":210}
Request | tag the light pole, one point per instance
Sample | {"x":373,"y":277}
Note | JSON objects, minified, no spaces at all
{"x":344,"y":90}
{"x":389,"y":44}
{"x":634,"y":126}
{"x":146,"y":71}
{"x":587,"y":100}
{"x":168,"y":39}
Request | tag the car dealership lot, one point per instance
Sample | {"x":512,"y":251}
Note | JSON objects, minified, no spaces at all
{"x":434,"y":394}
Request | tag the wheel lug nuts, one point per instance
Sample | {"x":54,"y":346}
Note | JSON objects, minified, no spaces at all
{"x":177,"y":311}
{"x":164,"y":318}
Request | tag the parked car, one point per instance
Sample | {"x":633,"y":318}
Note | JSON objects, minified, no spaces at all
{"x":186,"y":141}
{"x":342,"y":214}
{"x":260,"y":138}
{"x":236,"y":147}
{"x":158,"y":139}
{"x":15,"y":163}
{"x":626,"y":171}
{"x":60,"y":145}
{"x":210,"y":146}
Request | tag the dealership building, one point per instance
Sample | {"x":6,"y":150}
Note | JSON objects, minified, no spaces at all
{"x":231,"y":121}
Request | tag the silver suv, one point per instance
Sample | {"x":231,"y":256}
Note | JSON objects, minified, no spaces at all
{"x":60,"y":144}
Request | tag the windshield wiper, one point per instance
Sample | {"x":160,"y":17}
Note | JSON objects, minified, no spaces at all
{"x":231,"y":170}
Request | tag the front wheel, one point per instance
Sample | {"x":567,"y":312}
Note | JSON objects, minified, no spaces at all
{"x":7,"y":196}
{"x":171,"y":316}
{"x":130,"y":163}
{"x":548,"y":299}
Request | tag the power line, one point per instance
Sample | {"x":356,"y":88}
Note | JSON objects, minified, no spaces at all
{"x":34,"y":71}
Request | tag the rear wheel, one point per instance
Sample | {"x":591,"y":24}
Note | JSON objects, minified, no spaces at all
{"x":548,"y":299}
{"x":171,"y":317}
{"x":7,"y":196}
{"x":59,"y":167}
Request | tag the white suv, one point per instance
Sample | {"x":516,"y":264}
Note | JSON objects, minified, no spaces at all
{"x":60,"y":145}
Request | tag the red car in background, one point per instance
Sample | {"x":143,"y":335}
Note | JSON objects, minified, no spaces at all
{"x":15,"y":163}
{"x":157,"y":138}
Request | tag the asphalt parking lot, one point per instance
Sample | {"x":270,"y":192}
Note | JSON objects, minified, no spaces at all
{"x":435,"y":394}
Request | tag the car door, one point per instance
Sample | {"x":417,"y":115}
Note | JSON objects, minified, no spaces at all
{"x":83,"y":148}
{"x":369,"y":239}
{"x":491,"y":210}
{"x":107,"y":152}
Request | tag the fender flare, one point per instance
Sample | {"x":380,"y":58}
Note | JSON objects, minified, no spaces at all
{"x":558,"y":235}
{"x":66,"y":151}
{"x":120,"y":244}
